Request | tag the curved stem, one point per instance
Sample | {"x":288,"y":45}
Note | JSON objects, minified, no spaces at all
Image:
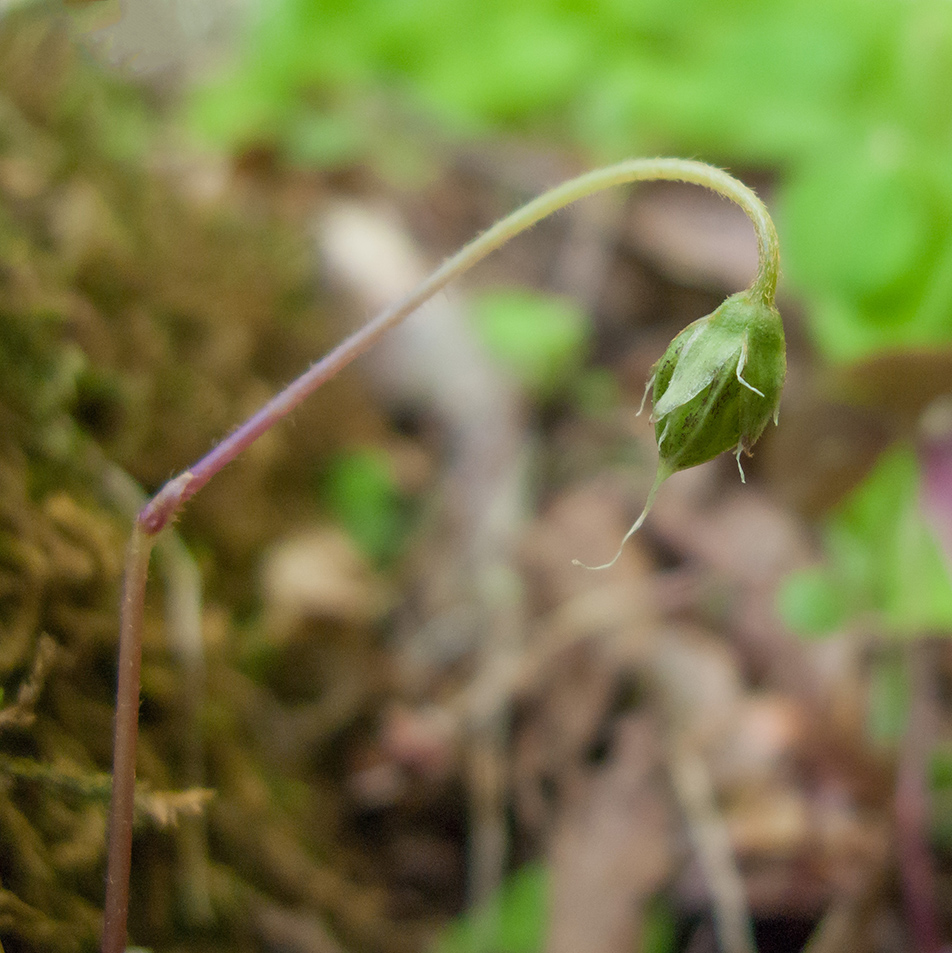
{"x":166,"y":503}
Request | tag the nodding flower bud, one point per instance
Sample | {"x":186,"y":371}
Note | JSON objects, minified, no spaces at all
{"x":715,"y":388}
{"x":718,"y":384}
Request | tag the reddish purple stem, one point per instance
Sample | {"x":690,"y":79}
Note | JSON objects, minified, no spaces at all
{"x":170,"y":498}
{"x":124,"y":757}
{"x":154,"y":517}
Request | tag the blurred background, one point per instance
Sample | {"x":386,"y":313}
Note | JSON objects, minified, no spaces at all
{"x":382,"y":711}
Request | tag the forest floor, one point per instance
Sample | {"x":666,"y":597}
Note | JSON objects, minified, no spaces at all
{"x":411,"y":706}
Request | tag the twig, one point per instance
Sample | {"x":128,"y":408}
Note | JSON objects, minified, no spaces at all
{"x":22,"y":713}
{"x":692,"y":784}
{"x":162,"y":808}
{"x":847,"y":918}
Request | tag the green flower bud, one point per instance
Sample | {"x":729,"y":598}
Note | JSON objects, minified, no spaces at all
{"x":715,"y":389}
{"x":718,"y":384}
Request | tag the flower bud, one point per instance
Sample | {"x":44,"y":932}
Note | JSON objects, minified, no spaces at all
{"x":719,"y":383}
{"x":715,"y":389}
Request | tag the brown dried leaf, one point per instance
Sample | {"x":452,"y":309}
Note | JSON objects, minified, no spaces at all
{"x":611,"y":849}
{"x":319,"y":575}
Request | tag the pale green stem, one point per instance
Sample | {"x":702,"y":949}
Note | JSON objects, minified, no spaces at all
{"x":632,"y":170}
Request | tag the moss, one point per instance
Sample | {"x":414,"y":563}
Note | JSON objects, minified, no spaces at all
{"x":136,"y":325}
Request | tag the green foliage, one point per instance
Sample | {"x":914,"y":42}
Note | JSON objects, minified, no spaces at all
{"x":940,"y":784}
{"x":514,"y":921}
{"x":360,"y":491}
{"x":882,"y":561}
{"x":659,"y":934}
{"x":889,"y":698}
{"x":870,"y":240}
{"x":811,"y":603}
{"x":852,"y":100}
{"x":542,"y":339}
{"x":516,"y":918}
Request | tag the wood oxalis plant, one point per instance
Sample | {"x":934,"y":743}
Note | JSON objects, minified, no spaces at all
{"x":714,"y":389}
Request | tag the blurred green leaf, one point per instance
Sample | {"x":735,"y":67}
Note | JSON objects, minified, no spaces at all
{"x":889,"y":697}
{"x":513,"y":922}
{"x":940,"y":769}
{"x":882,"y":560}
{"x":323,"y":140}
{"x":940,"y":788}
{"x":516,"y":920}
{"x":856,"y":226}
{"x":851,"y":101}
{"x":811,"y":603}
{"x":865,"y":237}
{"x":359,"y":490}
{"x":659,"y":934}
{"x":542,"y":339}
{"x":886,"y":551}
{"x":596,"y":392}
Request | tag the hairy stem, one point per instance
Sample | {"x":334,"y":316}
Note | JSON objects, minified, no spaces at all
{"x":124,"y":753}
{"x":166,"y":503}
